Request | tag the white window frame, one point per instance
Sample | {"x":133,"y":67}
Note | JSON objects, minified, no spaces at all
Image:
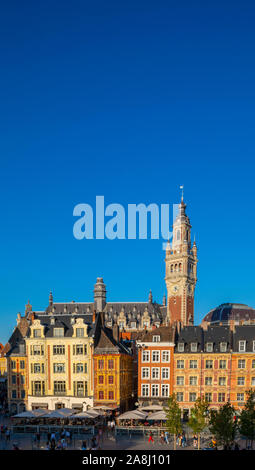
{"x":223,"y":347}
{"x":144,"y":371}
{"x":156,"y":339}
{"x":155,"y":387}
{"x":180,"y":347}
{"x":209,"y":347}
{"x":155,"y":373}
{"x":182,"y":380}
{"x":193,"y":377}
{"x":165,"y":352}
{"x":145,"y":387}
{"x":242,"y":345}
{"x":166,"y":388}
{"x":165,"y":371}
{"x":147,"y":353}
{"x":155,"y":352}
{"x":193,"y":347}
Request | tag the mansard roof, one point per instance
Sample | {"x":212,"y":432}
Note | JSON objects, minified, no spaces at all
{"x":166,"y":333}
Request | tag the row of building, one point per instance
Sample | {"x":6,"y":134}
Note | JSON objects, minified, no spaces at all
{"x":125,"y":354}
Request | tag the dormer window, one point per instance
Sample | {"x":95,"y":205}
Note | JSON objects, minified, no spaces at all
{"x":58,"y":332}
{"x":242,"y":346}
{"x":156,"y":339}
{"x":193,"y":347}
{"x":37,"y":333}
{"x":52,"y":321}
{"x":133,"y":325}
{"x":209,"y":347}
{"x":80,"y":332}
{"x":180,"y":347}
{"x":223,"y":347}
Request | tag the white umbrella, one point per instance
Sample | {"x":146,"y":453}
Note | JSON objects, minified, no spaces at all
{"x":158,"y":416}
{"x":61,"y":413}
{"x":26,"y":414}
{"x":82,"y":415}
{"x":134,"y":414}
{"x":152,"y":408}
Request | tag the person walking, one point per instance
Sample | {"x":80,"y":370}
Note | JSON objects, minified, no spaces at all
{"x":166,"y":437}
{"x":150,"y":438}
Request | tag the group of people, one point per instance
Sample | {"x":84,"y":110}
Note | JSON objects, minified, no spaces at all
{"x":181,"y":440}
{"x":56,"y":440}
{"x":94,"y":444}
{"x":164,"y":437}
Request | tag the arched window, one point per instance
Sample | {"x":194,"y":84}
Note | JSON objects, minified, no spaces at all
{"x":171,"y":268}
{"x":178,"y":235}
{"x":180,"y":267}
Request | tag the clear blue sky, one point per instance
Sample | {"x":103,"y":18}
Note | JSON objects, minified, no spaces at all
{"x":127,"y":100}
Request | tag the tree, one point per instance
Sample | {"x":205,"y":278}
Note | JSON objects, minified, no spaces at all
{"x":198,"y":418}
{"x":223,"y":425}
{"x":173,"y":414}
{"x":246,"y":422}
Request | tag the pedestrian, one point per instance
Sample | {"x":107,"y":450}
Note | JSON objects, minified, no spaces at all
{"x":68,"y":437}
{"x":7,"y":434}
{"x":166,"y":437}
{"x":84,"y":445}
{"x":162,"y":438}
{"x":150,"y":438}
{"x":184,"y":440}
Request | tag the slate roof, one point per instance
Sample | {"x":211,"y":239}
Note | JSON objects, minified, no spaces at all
{"x":244,"y":332}
{"x":104,"y":341}
{"x":230,"y":311}
{"x":65,"y":321}
{"x":195,"y":334}
{"x":166,"y":333}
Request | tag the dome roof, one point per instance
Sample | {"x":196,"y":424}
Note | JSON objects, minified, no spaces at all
{"x":226,"y":312}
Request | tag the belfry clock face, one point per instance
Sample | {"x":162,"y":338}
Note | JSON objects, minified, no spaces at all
{"x":175,"y":289}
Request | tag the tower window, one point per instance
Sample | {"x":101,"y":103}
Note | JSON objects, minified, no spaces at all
{"x":178,"y":235}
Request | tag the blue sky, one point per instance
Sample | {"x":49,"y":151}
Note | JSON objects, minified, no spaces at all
{"x":127,"y":100}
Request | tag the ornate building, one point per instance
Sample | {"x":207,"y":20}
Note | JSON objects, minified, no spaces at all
{"x":181,"y":271}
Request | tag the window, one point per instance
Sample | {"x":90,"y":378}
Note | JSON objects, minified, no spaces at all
{"x":58,"y":368}
{"x":80,"y":389}
{"x":223,"y":347}
{"x":101,"y":379}
{"x":58,"y":349}
{"x":193,"y":380}
{"x":38,"y":388}
{"x":180,"y":364}
{"x":37,"y":333}
{"x":155,"y":390}
{"x":208,"y":364}
{"x":179,"y":396}
{"x":58,"y":332}
{"x":79,"y":349}
{"x":253,"y":381}
{"x":22,"y":364}
{"x":192,"y":396}
{"x":37,"y":350}
{"x":22,"y":349}
{"x":110,"y":379}
{"x":121,"y":325}
{"x":253,"y":364}
{"x":59,"y":387}
{"x":13,"y":379}
{"x":156,"y":339}
{"x":222,"y":381}
{"x":240,"y":380}
{"x":165,"y":356}
{"x":14,"y":394}
{"x":13,"y":364}
{"x":240,"y":397}
{"x":155,"y":373}
{"x":193,"y":364}
{"x":111,"y":395}
{"x":146,"y":356}
{"x":133,"y":324}
{"x":242,"y":345}
{"x":145,"y":390}
{"x":193,"y":347}
{"x":221,"y":397}
{"x":208,"y":397}
{"x":80,"y":332}
{"x":22,"y":379}
{"x":155,"y":356}
{"x":209,"y":347}
{"x":100,"y":364}
{"x":101,"y":395}
{"x":253,"y":346}
{"x":165,"y":390}
{"x":111,"y":364}
{"x":241,"y":363}
{"x":179,"y":380}
{"x":208,"y":381}
{"x":223,"y":364}
{"x":23,"y":394}
{"x":165,"y":373}
{"x":79,"y":368}
{"x":180,"y":347}
{"x":35,"y":368}
{"x":145,"y":373}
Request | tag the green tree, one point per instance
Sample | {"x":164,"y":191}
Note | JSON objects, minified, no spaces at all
{"x":173,"y":414}
{"x":246,"y":422}
{"x":223,"y":426}
{"x":198,"y":417}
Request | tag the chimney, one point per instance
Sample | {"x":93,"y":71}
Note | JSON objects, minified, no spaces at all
{"x":94,"y":317}
{"x":232,"y":325}
{"x":116,"y":333}
{"x":18,"y":318}
{"x":204,"y":325}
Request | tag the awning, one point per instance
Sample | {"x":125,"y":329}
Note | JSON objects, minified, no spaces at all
{"x":134,"y":414}
{"x":158,"y":416}
{"x":152,"y":408}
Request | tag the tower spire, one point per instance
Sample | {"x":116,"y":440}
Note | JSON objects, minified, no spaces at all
{"x":182,"y":189}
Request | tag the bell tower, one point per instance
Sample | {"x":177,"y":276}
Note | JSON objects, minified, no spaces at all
{"x":181,"y":271}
